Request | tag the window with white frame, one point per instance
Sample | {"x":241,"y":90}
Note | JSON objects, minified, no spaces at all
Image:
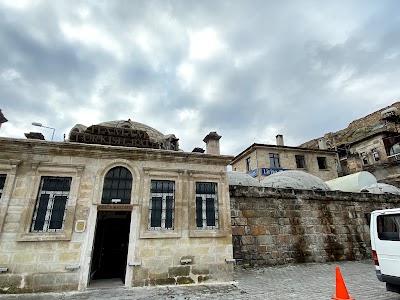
{"x":161,"y":209}
{"x":248,"y":164}
{"x":274,"y":160}
{"x":51,"y":204}
{"x":2,"y":181}
{"x":206,"y":205}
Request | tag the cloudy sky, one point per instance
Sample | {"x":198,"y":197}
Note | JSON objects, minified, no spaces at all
{"x":247,"y":69}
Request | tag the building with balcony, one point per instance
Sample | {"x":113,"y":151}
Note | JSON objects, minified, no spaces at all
{"x":377,"y":153}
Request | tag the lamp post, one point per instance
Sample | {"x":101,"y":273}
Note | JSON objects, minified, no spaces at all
{"x":40,"y":125}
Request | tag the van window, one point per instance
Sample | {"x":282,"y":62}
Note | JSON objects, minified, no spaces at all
{"x":389,"y":227}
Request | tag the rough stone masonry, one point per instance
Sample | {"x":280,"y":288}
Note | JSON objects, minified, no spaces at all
{"x":281,"y":226}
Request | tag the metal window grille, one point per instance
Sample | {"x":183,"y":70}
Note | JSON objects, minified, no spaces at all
{"x":51,"y":204}
{"x":117,"y":186}
{"x":206,"y":205}
{"x":2,"y":181}
{"x":161,"y":208}
{"x":300,"y":161}
{"x":274,"y":160}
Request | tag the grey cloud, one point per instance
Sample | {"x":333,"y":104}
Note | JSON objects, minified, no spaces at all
{"x":286,"y":85}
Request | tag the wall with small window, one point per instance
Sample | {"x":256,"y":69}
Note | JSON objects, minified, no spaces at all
{"x":370,"y":151}
{"x":280,"y":158}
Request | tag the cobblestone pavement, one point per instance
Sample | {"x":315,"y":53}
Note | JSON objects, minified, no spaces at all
{"x":303,"y":281}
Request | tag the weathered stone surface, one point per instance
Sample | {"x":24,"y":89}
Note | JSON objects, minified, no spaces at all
{"x":184,"y":280}
{"x":202,"y":279}
{"x":165,"y":281}
{"x":291,"y":226}
{"x":179,"y":271}
{"x":200,"y":271}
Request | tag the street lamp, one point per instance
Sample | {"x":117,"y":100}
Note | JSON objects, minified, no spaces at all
{"x":40,"y":125}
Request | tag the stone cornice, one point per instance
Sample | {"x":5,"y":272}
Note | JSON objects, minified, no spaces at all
{"x":101,"y":151}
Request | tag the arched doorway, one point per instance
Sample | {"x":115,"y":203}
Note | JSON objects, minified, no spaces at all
{"x":110,"y":247}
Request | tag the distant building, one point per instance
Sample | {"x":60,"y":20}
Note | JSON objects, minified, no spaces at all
{"x":377,"y":152}
{"x":260,"y":160}
{"x":119,"y":200}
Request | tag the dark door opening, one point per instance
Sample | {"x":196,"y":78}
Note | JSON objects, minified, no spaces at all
{"x":110,"y":248}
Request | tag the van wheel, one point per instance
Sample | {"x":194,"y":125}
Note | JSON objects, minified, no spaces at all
{"x":393,"y":287}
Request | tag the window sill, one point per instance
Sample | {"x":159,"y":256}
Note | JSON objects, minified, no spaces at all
{"x":207,"y":233}
{"x":44,"y":236}
{"x":159,"y":234}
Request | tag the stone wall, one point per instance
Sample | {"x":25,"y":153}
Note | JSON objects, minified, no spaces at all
{"x":281,"y":226}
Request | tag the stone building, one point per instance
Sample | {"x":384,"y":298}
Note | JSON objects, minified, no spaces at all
{"x":118,"y":201}
{"x":371,"y":143}
{"x":260,"y":160}
{"x":377,"y":153}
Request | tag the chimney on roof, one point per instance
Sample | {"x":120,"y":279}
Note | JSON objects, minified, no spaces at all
{"x":322,"y":144}
{"x":279,"y":140}
{"x":212,"y":143}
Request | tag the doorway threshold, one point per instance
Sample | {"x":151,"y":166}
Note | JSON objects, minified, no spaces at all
{"x":106,"y":283}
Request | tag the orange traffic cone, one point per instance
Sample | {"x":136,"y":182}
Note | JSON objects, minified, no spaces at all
{"x":341,"y":290}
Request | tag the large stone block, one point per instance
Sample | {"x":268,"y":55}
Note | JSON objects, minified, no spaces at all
{"x":68,"y":256}
{"x":184,"y":280}
{"x":257,"y":230}
{"x":4,"y":258}
{"x":248,"y":213}
{"x":264,"y":240}
{"x":24,"y":257}
{"x":179,"y":271}
{"x":41,"y":280}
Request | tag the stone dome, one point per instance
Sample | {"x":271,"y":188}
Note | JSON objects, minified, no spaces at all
{"x":295,"y":180}
{"x":380,"y":188}
{"x":154,"y":134}
{"x":167,"y":142}
{"x":237,"y":178}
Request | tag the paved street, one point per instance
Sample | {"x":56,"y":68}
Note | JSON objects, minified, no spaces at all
{"x":304,"y":281}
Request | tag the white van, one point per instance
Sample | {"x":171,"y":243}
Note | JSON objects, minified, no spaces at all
{"x":385,"y":243}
